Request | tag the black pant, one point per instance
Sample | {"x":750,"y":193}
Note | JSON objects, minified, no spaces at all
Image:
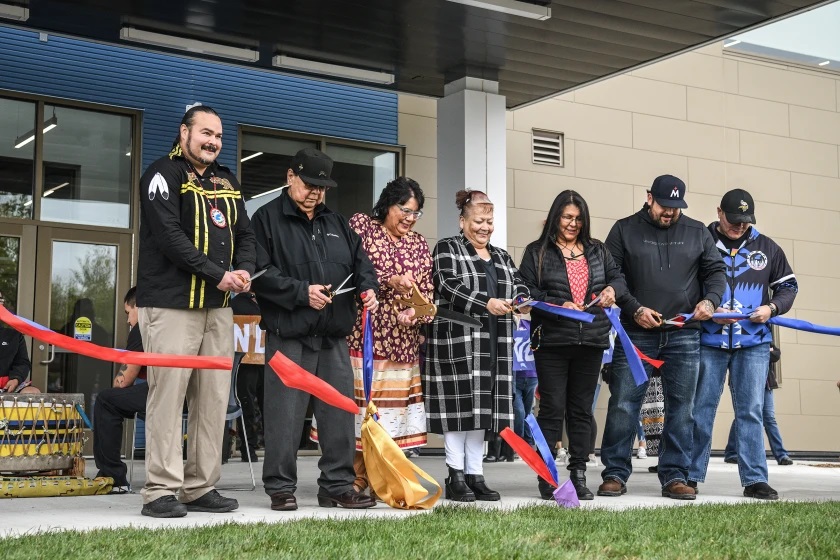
{"x":285,"y":411}
{"x":112,"y":406}
{"x":567,"y":378}
{"x":249,"y":388}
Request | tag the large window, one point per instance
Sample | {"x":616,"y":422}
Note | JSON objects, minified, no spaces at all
{"x":17,"y":157}
{"x":361,"y":170}
{"x":84,"y":157}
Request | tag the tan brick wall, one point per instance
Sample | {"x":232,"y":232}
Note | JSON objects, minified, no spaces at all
{"x":718,"y":121}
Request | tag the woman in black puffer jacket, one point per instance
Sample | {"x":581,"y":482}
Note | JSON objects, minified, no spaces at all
{"x":566,"y":267}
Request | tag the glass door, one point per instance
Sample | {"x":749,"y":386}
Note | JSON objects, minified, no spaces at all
{"x":82,"y":277}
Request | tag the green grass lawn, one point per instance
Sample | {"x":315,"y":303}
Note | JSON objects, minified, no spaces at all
{"x":781,"y":531}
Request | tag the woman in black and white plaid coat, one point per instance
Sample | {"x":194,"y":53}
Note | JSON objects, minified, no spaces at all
{"x":467,"y":379}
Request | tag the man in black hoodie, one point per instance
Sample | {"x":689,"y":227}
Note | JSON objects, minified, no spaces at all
{"x":671,"y":266}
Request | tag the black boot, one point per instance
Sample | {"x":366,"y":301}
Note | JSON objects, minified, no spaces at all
{"x":578,"y":478}
{"x":546,"y":490}
{"x":482,"y":493}
{"x":506,"y":452}
{"x":494,"y":448}
{"x":456,"y":487}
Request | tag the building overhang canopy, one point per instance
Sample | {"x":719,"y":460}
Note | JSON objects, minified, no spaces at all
{"x":417,"y":46}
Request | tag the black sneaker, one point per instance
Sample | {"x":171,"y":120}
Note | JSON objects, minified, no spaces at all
{"x":212,"y":502}
{"x":761,"y":491}
{"x":165,"y":506}
{"x":785,"y":461}
{"x":731,"y":460}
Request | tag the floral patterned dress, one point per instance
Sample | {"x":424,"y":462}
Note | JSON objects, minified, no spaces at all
{"x":397,"y":388}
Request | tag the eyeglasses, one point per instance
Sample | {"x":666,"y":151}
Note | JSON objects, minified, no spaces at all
{"x":315,"y":187}
{"x":569,"y":219}
{"x":417,"y":214}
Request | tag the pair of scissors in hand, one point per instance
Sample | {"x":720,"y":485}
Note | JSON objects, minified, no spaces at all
{"x":341,"y":289}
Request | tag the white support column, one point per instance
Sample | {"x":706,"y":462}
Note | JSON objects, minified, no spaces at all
{"x":471,"y":151}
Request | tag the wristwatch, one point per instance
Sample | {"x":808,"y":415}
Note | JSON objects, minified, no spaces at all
{"x":773,"y":309}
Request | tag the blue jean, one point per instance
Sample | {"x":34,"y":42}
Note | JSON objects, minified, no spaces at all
{"x":681,"y":352}
{"x":523,"y":404}
{"x":771,"y":428}
{"x":747,"y":379}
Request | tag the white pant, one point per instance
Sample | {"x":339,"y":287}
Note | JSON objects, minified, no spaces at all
{"x":464,"y":450}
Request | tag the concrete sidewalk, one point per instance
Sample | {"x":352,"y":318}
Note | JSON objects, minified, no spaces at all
{"x":515,"y":481}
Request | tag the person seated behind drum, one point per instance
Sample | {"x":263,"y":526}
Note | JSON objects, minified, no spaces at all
{"x":14,"y":361}
{"x":123,"y":400}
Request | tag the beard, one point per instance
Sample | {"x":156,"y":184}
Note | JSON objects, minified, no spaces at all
{"x":197,"y":156}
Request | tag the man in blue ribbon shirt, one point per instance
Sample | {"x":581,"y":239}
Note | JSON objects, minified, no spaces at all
{"x":761,"y":284}
{"x":671,"y":266}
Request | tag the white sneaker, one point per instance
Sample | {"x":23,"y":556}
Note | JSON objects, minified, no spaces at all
{"x":641,"y":453}
{"x":593,"y":461}
{"x":562,"y":456}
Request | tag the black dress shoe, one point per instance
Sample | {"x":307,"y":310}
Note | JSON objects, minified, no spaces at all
{"x":761,"y":491}
{"x":731,"y":460}
{"x":546,"y":490}
{"x":653,"y":469}
{"x":165,"y":506}
{"x":349,"y":500}
{"x":212,"y":502}
{"x":785,"y":461}
{"x":283,"y":501}
{"x":578,"y":478}
{"x":480,"y":489}
{"x":456,"y":487}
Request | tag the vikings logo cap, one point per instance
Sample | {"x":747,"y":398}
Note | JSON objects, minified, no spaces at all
{"x":738,"y":206}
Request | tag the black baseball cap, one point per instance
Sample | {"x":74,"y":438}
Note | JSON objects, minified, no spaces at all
{"x":669,"y":191}
{"x":738,"y":206}
{"x":313,"y":167}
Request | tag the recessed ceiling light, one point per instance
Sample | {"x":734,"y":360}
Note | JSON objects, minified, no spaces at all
{"x":192,"y":45}
{"x":252,"y":156}
{"x":824,"y":63}
{"x":512,"y":7}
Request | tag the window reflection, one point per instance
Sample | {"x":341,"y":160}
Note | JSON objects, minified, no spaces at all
{"x":82,"y":304}
{"x":264,"y":162}
{"x":87,"y":167}
{"x":361,"y":174}
{"x":9,"y":269}
{"x":17,"y":149}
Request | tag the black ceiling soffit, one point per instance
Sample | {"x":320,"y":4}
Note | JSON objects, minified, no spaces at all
{"x":428,"y":43}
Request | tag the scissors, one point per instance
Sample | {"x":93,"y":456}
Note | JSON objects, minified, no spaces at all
{"x":341,"y":289}
{"x":257,"y":275}
{"x":593,"y":302}
{"x":524,"y":303}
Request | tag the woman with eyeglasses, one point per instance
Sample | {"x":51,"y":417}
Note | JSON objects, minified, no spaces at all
{"x":401,"y":258}
{"x":468,"y":378}
{"x":566,"y":267}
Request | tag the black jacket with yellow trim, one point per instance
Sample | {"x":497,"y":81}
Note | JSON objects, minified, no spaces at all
{"x":183,"y":255}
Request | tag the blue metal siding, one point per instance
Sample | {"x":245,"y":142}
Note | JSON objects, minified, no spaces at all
{"x":162,"y":85}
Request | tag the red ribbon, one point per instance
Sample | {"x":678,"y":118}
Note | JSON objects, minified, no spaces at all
{"x":294,"y":376}
{"x":655,"y":363}
{"x":98,"y":352}
{"x":527,"y":454}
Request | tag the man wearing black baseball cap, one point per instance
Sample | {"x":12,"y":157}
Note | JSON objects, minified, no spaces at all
{"x":761,"y":285}
{"x":305,"y":249}
{"x":671,"y":266}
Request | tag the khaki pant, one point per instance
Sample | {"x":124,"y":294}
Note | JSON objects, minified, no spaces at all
{"x":196,"y":332}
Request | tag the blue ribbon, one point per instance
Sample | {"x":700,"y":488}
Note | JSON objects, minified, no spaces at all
{"x":367,"y":356}
{"x":84,"y":416}
{"x":542,"y":447}
{"x":640,"y":376}
{"x":563,"y":311}
{"x":797,"y":324}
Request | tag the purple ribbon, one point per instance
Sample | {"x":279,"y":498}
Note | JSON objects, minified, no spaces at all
{"x":542,"y":447}
{"x":640,"y":376}
{"x":563,"y":311}
{"x":367,"y":356}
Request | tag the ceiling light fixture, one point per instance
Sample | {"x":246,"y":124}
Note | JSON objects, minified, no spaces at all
{"x":52,"y":190}
{"x":10,"y":11}
{"x":512,"y":7}
{"x":25,"y":139}
{"x":192,"y":45}
{"x":824,"y":63}
{"x":252,"y":156}
{"x":327,"y":69}
{"x":731,"y":43}
{"x":269,"y":192}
